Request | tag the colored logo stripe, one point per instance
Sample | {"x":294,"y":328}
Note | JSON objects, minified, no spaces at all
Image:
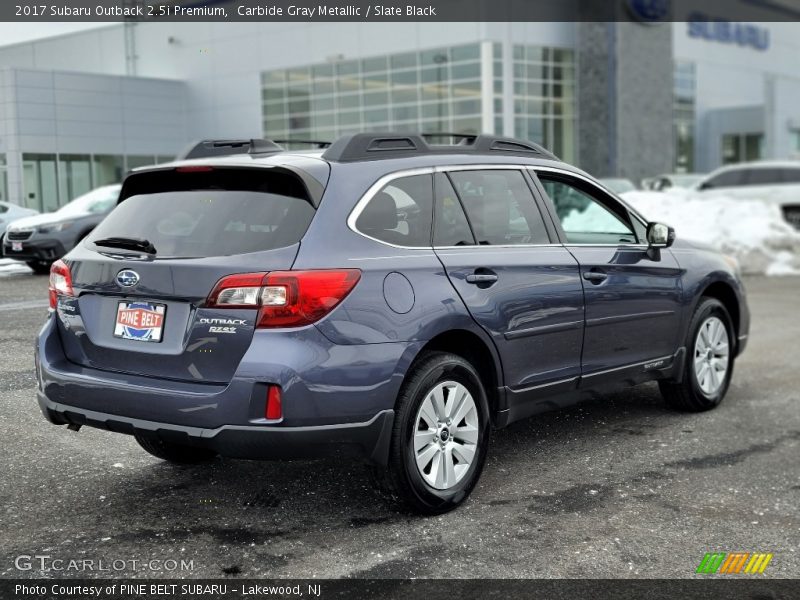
{"x":733,"y":562}
{"x":758,"y":563}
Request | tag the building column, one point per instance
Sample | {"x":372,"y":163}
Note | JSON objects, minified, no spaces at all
{"x":625,"y":99}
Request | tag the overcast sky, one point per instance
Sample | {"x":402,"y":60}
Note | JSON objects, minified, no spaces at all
{"x":12,"y":33}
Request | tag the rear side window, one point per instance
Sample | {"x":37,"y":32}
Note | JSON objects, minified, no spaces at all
{"x":772,"y":176}
{"x":186,"y":215}
{"x":400,"y":213}
{"x":730,"y":178}
{"x":791,"y":176}
{"x":500,"y":207}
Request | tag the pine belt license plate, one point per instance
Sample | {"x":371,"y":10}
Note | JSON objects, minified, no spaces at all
{"x":16,"y":246}
{"x":140,"y":321}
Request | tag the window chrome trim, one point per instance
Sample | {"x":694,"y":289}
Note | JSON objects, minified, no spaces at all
{"x":388,"y":178}
{"x":597,"y":186}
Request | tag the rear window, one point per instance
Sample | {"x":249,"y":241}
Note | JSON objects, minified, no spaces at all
{"x":200,"y":214}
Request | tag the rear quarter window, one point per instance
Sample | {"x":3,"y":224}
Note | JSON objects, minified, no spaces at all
{"x":401,"y":213}
{"x":187,"y":215}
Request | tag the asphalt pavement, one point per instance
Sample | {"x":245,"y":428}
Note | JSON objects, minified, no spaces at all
{"x":616,"y":487}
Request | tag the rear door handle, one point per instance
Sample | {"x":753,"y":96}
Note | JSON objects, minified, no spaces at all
{"x":481,"y":278}
{"x":595,"y":276}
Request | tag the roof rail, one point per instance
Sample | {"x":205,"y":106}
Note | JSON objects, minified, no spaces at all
{"x":375,"y":146}
{"x":208,"y":148}
{"x":316,"y":143}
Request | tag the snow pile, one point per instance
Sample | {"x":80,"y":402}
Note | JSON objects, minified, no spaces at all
{"x":752,"y":231}
{"x":9,"y":266}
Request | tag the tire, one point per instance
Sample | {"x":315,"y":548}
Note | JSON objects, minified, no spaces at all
{"x":175,"y":453}
{"x":703,"y":385}
{"x":40,"y":267}
{"x":428,"y":489}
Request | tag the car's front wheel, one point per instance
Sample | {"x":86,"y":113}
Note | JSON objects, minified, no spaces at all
{"x":709,"y":363}
{"x":440,"y":435}
{"x":175,"y":453}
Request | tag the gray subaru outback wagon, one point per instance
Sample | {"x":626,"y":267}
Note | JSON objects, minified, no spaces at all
{"x":384,"y":297}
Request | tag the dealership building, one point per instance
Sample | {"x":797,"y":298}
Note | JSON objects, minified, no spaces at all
{"x":625,"y":99}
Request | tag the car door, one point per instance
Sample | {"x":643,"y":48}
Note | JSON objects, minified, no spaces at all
{"x":633,"y":297}
{"x":524,"y":290}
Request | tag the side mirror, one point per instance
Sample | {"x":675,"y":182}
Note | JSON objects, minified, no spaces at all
{"x":660,"y":235}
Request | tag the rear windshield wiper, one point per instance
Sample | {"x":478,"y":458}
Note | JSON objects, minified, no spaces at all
{"x":127,"y":244}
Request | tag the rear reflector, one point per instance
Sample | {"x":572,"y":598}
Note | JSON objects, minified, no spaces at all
{"x":274,"y":409}
{"x":285,"y":298}
{"x":60,"y":282}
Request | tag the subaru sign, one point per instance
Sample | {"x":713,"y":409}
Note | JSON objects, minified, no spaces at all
{"x":742,"y":34}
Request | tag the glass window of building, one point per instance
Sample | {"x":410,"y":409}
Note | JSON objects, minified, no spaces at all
{"x":3,"y":180}
{"x":742,"y":147}
{"x":134,"y":162}
{"x":74,"y":176}
{"x":40,"y":182}
{"x":433,"y":90}
{"x":544,"y":98}
{"x":684,"y":93}
{"x":436,"y":89}
{"x":106,"y":169}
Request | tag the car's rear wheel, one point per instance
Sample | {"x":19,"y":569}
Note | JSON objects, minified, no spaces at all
{"x":175,"y":453}
{"x":40,"y":267}
{"x":709,"y":362}
{"x":440,"y":435}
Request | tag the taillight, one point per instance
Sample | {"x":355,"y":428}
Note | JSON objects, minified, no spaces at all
{"x":285,"y":298}
{"x":60,"y":282}
{"x":273,"y":410}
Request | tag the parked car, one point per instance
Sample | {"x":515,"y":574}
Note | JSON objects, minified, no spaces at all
{"x":277,"y":304}
{"x":41,"y":239}
{"x":618,"y":185}
{"x":675,"y":180}
{"x":775,"y":182}
{"x":11,"y":212}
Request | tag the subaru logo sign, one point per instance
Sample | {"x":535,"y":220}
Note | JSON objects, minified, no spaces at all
{"x":127,"y":278}
{"x":648,"y":11}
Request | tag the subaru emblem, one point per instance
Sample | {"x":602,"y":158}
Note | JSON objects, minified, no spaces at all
{"x":127,"y":278}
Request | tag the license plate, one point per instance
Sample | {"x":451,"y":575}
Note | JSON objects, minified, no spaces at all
{"x":16,"y":246}
{"x":140,"y":321}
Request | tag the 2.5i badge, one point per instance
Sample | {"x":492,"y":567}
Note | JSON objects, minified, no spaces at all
{"x":140,"y":321}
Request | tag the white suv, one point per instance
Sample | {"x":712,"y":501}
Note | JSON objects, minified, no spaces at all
{"x":776,"y":182}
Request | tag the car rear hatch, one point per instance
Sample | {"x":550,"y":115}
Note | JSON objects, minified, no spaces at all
{"x":141,"y":280}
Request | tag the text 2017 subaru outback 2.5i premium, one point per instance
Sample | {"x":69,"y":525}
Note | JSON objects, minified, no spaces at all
{"x":384,"y":296}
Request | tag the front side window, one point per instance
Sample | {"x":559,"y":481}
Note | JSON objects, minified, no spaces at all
{"x":587,"y":219}
{"x":500,"y":207}
{"x":400,"y":213}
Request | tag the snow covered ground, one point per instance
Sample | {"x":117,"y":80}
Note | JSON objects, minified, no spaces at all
{"x":9,"y":266}
{"x":752,"y":231}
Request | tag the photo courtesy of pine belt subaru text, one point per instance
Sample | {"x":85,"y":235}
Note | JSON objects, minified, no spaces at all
{"x":390,"y":297}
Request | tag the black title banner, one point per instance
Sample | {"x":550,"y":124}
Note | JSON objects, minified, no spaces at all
{"x":429,"y":589}
{"x":646,"y":12}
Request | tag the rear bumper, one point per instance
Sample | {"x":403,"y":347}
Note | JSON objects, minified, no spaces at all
{"x":368,"y":440}
{"x":353,"y":417}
